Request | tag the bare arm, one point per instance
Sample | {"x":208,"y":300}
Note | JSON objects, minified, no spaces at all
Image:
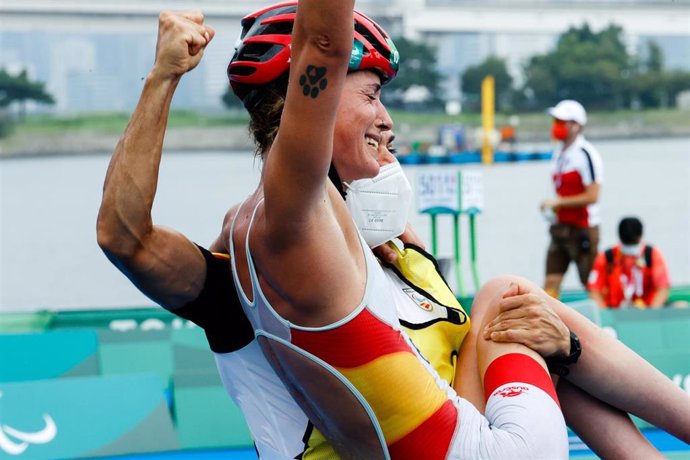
{"x":295,"y":172}
{"x":162,"y":263}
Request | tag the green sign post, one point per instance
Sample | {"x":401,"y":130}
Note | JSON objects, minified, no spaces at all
{"x":453,"y":193}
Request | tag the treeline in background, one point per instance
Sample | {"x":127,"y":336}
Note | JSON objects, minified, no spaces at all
{"x":594,"y":68}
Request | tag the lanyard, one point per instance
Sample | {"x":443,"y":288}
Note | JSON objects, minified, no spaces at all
{"x":633,"y":285}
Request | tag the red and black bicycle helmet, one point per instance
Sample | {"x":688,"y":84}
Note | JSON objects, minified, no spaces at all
{"x":262,"y":52}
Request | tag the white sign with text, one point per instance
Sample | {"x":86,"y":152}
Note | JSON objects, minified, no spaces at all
{"x":448,"y":191}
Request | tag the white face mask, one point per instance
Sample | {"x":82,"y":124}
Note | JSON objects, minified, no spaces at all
{"x":379,"y":206}
{"x":630,"y":249}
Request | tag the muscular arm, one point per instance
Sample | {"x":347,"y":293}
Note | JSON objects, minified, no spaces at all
{"x":295,"y":172}
{"x":302,"y":217}
{"x":162,"y":263}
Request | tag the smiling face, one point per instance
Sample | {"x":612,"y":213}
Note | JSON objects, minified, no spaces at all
{"x":360,"y":122}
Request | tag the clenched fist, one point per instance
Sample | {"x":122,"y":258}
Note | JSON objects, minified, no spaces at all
{"x":182,"y":38}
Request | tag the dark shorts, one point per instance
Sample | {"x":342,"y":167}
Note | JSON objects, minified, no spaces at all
{"x":570,"y":243}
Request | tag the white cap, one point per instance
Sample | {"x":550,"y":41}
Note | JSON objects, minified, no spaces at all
{"x":569,"y":110}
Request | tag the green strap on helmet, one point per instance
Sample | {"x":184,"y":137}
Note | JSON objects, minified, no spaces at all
{"x":356,"y":55}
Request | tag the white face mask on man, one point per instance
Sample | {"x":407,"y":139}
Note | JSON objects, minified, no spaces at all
{"x":630,"y":249}
{"x":380,"y":205}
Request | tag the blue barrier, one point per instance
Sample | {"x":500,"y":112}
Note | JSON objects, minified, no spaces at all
{"x":471,"y":156}
{"x":48,"y":355}
{"x":84,"y":417}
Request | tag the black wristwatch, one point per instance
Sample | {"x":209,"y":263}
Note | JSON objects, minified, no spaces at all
{"x":559,"y":364}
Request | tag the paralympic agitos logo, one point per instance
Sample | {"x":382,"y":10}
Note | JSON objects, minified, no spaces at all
{"x":14,"y":441}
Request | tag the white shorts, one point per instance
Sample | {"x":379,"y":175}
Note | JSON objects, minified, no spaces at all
{"x":522,"y":421}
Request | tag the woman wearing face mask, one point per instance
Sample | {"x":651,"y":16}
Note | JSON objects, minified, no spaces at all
{"x":577,"y":177}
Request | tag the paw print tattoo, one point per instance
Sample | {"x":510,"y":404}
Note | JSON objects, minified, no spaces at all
{"x":313,"y":81}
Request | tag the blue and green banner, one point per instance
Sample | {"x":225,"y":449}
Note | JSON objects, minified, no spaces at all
{"x":84,"y":417}
{"x":206,"y":416}
{"x":48,"y":355}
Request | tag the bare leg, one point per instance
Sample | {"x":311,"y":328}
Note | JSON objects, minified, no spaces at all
{"x":627,"y":440}
{"x":613,"y":373}
{"x":467,"y":381}
{"x":488,"y":351}
{"x":531,"y":425}
{"x":609,"y":432}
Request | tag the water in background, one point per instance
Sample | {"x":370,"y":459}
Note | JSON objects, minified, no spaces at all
{"x":49,"y":258}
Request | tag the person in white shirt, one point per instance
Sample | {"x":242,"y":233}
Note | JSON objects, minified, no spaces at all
{"x":577,"y":176}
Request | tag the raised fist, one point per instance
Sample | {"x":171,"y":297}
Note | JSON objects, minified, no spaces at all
{"x":182,"y":38}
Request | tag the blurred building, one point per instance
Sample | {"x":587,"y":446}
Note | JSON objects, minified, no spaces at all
{"x":94,"y":56}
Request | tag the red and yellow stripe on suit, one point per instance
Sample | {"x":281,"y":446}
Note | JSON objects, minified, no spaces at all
{"x":380,"y":363}
{"x":432,"y":317}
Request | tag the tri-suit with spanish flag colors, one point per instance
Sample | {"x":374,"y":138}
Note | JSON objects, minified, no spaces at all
{"x":430,"y":314}
{"x":364,"y":384}
{"x":428,"y":310}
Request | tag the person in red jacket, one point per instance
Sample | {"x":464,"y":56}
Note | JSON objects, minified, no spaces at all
{"x":631,"y":273}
